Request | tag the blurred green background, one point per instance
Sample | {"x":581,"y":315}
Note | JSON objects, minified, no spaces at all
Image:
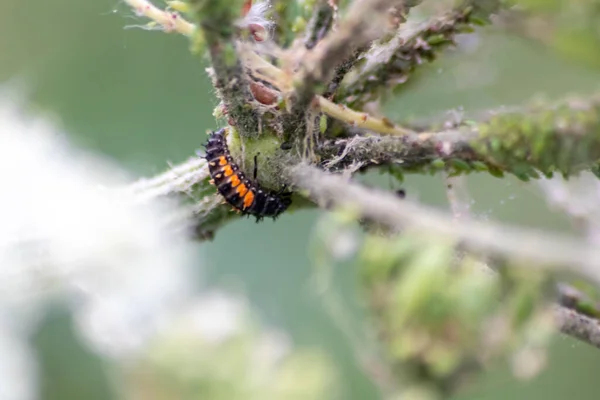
{"x":141,"y":98}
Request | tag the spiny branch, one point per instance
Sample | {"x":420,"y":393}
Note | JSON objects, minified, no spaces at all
{"x":557,"y":139}
{"x":216,"y":20}
{"x":389,"y":63}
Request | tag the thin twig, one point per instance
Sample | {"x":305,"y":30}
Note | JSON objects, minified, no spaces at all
{"x":360,"y":119}
{"x":265,"y":69}
{"x":170,"y":21}
{"x":388,"y":64}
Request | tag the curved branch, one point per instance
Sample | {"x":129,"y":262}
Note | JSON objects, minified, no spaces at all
{"x":554,"y":252}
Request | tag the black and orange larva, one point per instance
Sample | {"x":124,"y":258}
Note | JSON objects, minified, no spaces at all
{"x":240,"y":192}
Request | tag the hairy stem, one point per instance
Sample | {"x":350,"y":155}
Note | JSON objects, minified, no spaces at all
{"x":201,"y":211}
{"x":216,"y":19}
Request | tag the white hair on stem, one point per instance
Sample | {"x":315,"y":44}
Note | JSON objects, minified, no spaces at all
{"x":256,"y":21}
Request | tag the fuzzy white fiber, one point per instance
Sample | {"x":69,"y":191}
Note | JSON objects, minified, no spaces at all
{"x":66,"y":234}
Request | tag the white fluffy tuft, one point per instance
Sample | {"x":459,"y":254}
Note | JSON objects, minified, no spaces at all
{"x":65,"y":234}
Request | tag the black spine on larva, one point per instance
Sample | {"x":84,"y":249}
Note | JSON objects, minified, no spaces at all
{"x":264,"y":203}
{"x":215,"y":147}
{"x":283,"y":202}
{"x":258,"y":204}
{"x":269,"y":206}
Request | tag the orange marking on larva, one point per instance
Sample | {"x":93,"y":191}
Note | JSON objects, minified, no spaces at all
{"x":234,"y":189}
{"x":248,"y":199}
{"x":242,"y":190}
{"x":227,"y":171}
{"x":364,"y":118}
{"x":234,"y":181}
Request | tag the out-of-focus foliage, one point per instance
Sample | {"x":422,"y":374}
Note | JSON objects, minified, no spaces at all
{"x":570,"y":27}
{"x":442,"y":318}
{"x":216,"y":351}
